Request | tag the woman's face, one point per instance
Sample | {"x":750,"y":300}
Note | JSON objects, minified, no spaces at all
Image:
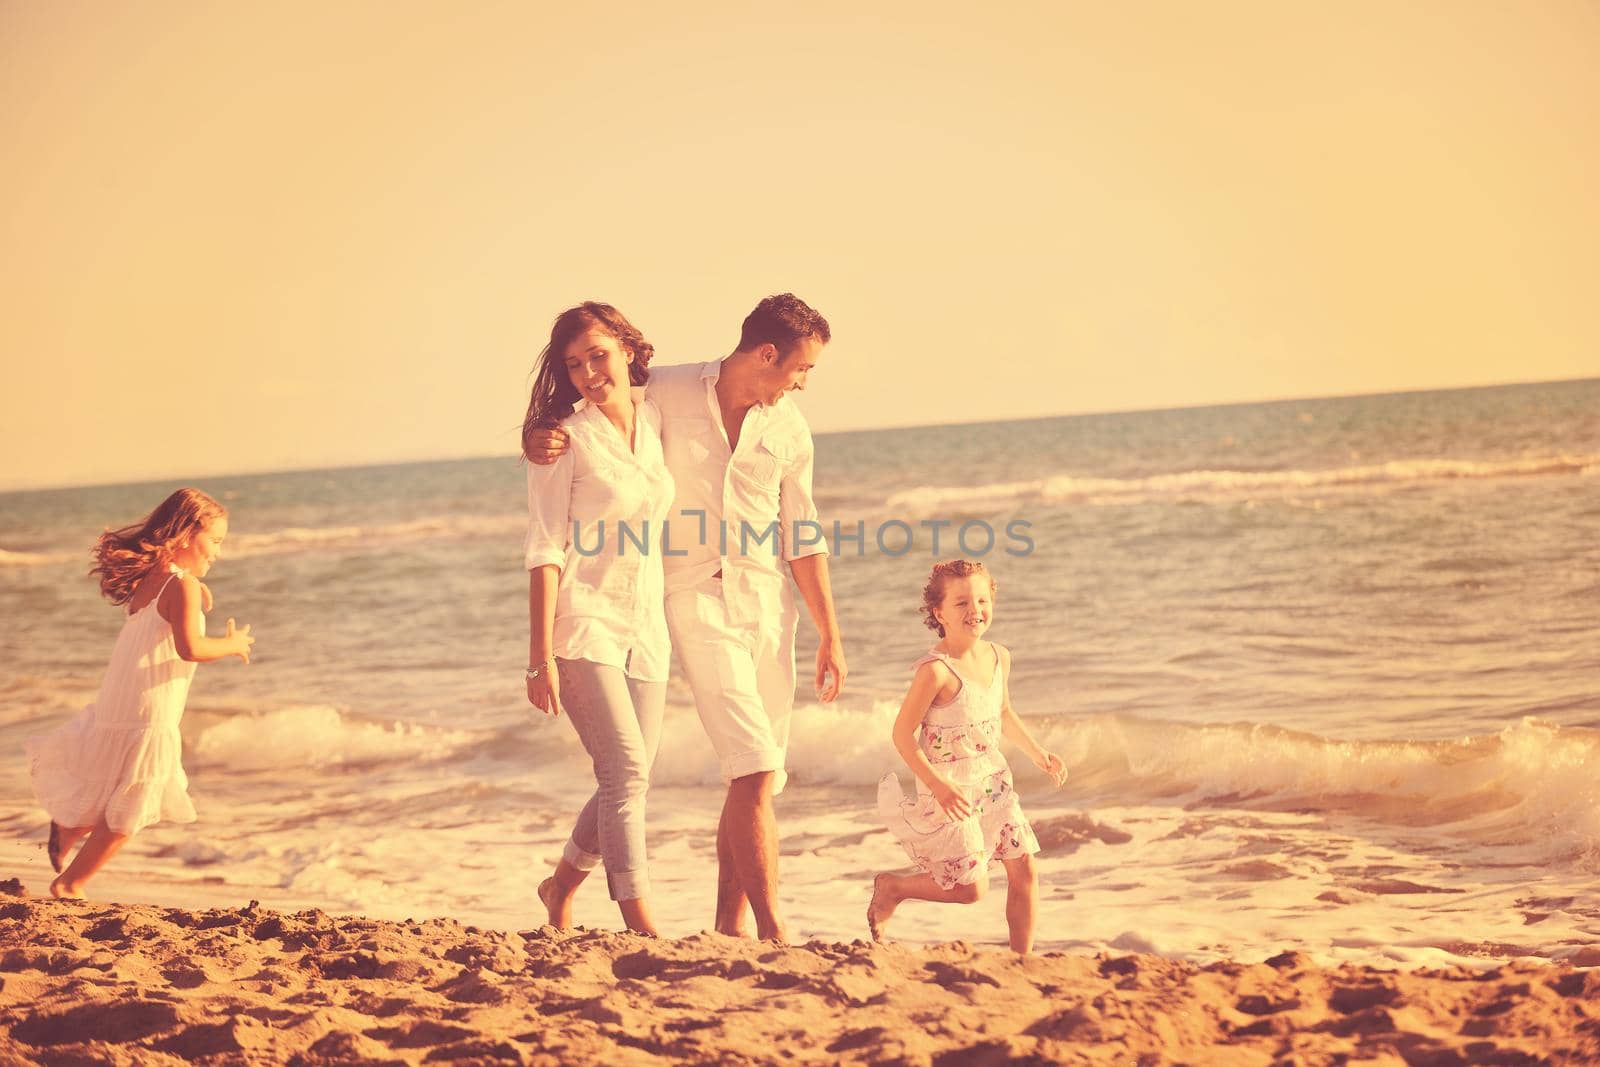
{"x":597,"y":364}
{"x":968,"y":606}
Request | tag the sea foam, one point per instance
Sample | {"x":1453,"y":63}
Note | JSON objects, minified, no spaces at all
{"x":1532,"y":784}
{"x":317,"y":735}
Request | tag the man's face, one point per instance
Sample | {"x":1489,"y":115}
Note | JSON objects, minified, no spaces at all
{"x":788,"y":372}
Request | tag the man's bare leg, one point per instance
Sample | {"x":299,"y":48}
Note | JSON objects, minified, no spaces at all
{"x":731,"y":901}
{"x":752,"y":834}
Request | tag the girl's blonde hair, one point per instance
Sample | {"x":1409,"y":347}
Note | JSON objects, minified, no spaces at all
{"x":123,"y":557}
{"x":933,"y":592}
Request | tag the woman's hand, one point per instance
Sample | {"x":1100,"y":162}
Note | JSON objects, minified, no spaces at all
{"x":1051,"y":764}
{"x":544,"y":692}
{"x":952,"y":800}
{"x":240,"y":637}
{"x":205,"y":597}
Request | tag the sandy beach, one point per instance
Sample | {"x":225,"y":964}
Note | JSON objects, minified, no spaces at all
{"x":90,"y":982}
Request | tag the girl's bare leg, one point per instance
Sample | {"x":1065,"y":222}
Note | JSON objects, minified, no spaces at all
{"x":62,"y":841}
{"x":1021,"y":903}
{"x":71,"y":835}
{"x":890,"y":890}
{"x":557,"y":891}
{"x":103,"y":843}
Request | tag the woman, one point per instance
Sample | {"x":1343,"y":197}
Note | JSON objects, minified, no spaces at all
{"x":598,"y":646}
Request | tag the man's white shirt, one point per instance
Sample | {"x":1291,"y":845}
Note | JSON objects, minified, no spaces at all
{"x":744,"y":511}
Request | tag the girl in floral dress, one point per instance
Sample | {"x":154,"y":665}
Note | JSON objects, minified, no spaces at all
{"x":965,"y":816}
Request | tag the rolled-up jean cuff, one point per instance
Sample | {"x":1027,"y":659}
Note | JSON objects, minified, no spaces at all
{"x":628,"y":885}
{"x":578,"y":858}
{"x":754,"y":762}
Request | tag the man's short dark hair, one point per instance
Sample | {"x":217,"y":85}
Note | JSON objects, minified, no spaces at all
{"x":783,"y":321}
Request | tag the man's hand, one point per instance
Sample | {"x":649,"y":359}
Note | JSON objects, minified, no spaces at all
{"x":544,"y":447}
{"x":831,"y":670}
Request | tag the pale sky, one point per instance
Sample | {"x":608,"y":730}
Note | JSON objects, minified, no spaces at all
{"x":261,"y":236}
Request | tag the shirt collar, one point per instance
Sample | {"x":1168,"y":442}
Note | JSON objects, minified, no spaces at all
{"x":636,"y":393}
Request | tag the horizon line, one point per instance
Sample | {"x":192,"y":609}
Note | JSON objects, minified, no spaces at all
{"x":471,"y":457}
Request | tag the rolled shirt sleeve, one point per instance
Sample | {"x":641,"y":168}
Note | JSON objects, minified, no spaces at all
{"x":549,"y":513}
{"x":798,"y":525}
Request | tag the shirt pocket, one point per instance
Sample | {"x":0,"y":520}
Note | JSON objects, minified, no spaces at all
{"x":770,"y":460}
{"x":690,"y":440}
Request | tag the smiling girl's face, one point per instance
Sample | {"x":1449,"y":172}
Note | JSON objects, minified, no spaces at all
{"x":597,"y":365}
{"x":968,"y":606}
{"x":198,"y":553}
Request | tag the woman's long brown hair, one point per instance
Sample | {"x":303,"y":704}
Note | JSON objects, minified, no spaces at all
{"x":123,"y":557}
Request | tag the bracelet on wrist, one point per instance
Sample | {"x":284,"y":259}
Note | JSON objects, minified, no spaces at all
{"x":539,"y":670}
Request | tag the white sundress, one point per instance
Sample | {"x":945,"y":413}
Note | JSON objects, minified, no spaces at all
{"x":962,"y":741}
{"x":120,"y":758}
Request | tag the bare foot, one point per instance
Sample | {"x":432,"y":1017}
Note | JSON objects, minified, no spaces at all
{"x":61,"y":892}
{"x":878,"y":910}
{"x":730,"y":921}
{"x":636,"y":917}
{"x":558,"y":908}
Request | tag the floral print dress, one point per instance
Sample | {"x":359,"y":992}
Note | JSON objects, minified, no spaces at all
{"x":962,"y":741}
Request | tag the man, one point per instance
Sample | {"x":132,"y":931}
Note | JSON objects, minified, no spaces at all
{"x":742,"y":457}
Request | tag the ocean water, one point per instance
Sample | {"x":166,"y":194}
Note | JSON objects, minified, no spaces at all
{"x":1324,"y":673}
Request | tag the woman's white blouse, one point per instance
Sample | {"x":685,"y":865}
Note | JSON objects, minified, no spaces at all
{"x":597,"y":514}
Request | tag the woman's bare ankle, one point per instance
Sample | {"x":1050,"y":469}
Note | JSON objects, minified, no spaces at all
{"x":557,"y":904}
{"x":636,"y":917}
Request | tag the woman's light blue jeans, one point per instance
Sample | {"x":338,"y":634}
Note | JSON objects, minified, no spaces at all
{"x":618,"y":719}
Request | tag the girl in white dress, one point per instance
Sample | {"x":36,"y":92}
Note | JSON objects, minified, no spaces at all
{"x":116,"y":767}
{"x":965,"y":817}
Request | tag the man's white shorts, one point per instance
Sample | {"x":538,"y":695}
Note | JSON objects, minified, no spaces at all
{"x":742,"y":676}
